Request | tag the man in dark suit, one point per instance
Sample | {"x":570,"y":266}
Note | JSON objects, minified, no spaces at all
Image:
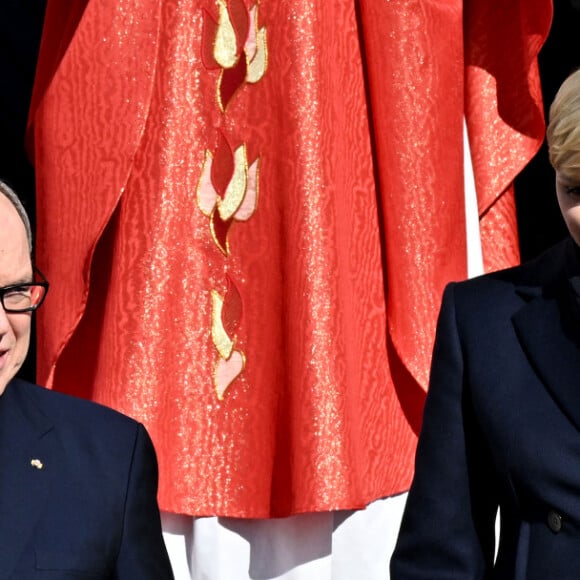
{"x":78,"y":481}
{"x":501,"y":424}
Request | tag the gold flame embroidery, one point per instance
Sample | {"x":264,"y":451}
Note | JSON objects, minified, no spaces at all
{"x":231,"y":362}
{"x":240,"y":199}
{"x":227,"y":190}
{"x":225,"y":47}
{"x":256,"y":50}
{"x":223,"y":343}
{"x":235,"y":44}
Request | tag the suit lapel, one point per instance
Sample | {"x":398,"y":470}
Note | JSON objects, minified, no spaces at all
{"x":545,"y":330}
{"x":29,"y":452}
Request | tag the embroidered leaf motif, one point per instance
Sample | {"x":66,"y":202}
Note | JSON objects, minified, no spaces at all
{"x":227,"y":371}
{"x":234,"y":43}
{"x":223,"y":343}
{"x":227,"y":189}
{"x":236,"y":189}
{"x":219,"y":232}
{"x":222,"y":168}
{"x":206,"y":194}
{"x":209,"y":33}
{"x":231,"y":80}
{"x":232,"y":308}
{"x":250,"y":46}
{"x":240,"y":19}
{"x":257,"y":66}
{"x":239,"y":198}
{"x":250,"y":201}
{"x":226,"y":45}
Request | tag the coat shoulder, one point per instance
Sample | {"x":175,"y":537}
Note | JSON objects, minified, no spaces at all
{"x":533,"y":276}
{"x":72,"y":413}
{"x":491,"y":299}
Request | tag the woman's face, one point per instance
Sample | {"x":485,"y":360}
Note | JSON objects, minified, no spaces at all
{"x":569,"y":200}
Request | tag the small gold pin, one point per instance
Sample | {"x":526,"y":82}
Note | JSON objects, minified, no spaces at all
{"x":36,"y":463}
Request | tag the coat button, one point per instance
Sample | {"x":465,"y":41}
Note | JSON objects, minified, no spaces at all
{"x":554,"y":521}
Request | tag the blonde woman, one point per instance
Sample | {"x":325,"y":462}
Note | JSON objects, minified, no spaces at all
{"x":502,"y":419}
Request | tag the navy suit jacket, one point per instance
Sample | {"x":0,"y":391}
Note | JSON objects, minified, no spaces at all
{"x":78,"y":485}
{"x":501,"y":427}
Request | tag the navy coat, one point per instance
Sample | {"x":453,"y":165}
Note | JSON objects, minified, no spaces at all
{"x":78,"y":486}
{"x":501,"y":428}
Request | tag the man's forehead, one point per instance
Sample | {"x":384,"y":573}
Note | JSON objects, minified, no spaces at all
{"x":14,"y":254}
{"x":10,"y":219}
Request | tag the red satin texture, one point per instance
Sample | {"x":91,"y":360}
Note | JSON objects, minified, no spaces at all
{"x":278,"y":354}
{"x":503,"y":110}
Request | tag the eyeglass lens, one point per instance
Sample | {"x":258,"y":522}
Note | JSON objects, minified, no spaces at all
{"x":23,"y":297}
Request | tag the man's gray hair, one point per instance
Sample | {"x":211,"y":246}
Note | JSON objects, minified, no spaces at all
{"x":8,"y":192}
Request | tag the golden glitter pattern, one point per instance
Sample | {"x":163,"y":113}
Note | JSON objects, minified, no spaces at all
{"x":254,"y":229}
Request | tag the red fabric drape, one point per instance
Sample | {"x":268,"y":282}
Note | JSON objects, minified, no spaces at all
{"x":248,"y":213}
{"x":503,"y":109}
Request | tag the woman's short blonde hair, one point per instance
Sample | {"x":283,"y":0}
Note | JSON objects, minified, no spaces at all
{"x":563,"y":132}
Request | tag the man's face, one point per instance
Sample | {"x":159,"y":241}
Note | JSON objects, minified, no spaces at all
{"x":15,"y":267}
{"x":568,"y":192}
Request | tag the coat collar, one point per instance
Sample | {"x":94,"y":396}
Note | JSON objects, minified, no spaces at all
{"x":549,"y":330}
{"x":29,"y":457}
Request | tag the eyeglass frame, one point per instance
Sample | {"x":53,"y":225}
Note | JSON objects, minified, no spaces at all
{"x":5,"y":289}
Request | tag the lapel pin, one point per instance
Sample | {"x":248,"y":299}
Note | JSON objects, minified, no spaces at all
{"x":36,"y":463}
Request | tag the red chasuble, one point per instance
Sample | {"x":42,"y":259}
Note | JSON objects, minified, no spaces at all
{"x":248,"y":212}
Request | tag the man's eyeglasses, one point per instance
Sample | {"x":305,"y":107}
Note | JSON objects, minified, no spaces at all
{"x":24,"y":297}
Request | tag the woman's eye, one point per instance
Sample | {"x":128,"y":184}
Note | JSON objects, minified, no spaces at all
{"x":573,"y":190}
